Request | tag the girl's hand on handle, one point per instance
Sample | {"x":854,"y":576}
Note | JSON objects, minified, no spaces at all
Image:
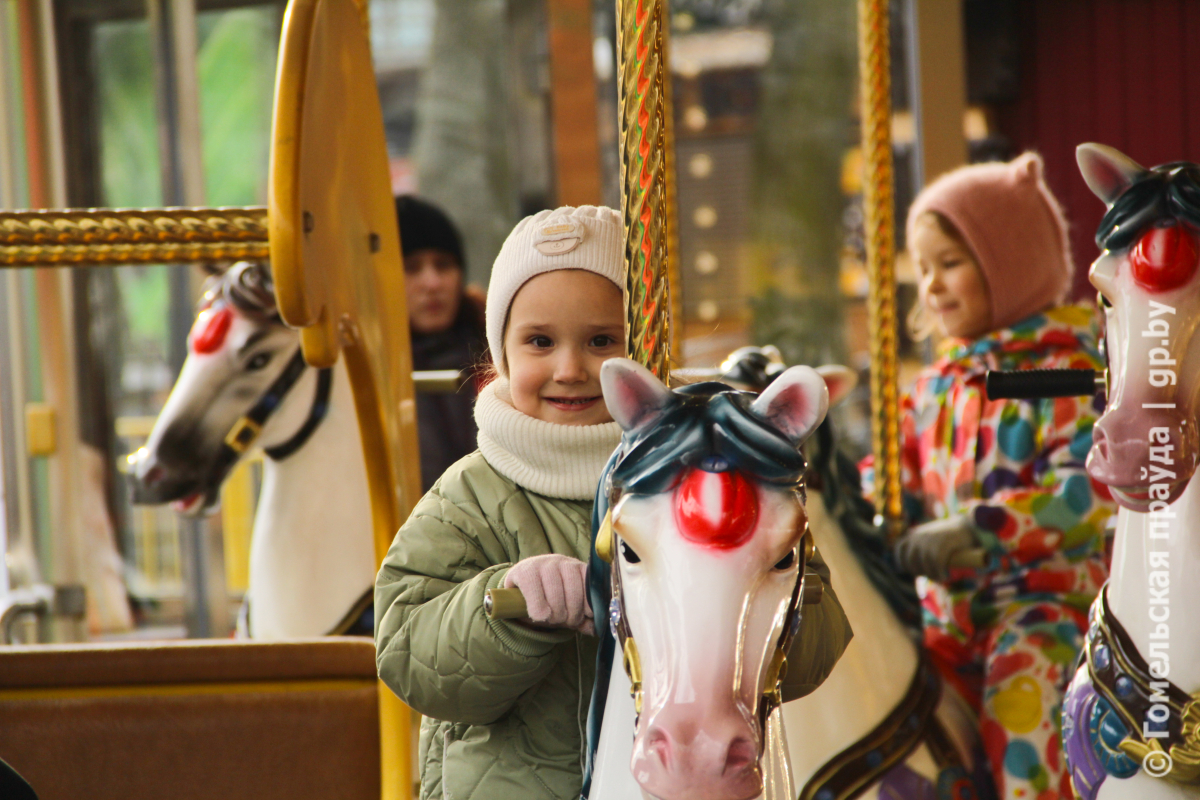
{"x":555,"y":590}
{"x":933,"y":548}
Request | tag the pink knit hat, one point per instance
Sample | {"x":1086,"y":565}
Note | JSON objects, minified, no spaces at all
{"x":1013,"y":225}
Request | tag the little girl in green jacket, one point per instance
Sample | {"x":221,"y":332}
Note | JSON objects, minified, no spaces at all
{"x":505,"y":702}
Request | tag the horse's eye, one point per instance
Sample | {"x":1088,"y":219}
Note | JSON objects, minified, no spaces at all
{"x":258,"y":362}
{"x":629,"y":555}
{"x":787,"y":561}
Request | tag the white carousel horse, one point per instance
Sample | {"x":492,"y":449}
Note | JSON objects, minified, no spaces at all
{"x":702,"y":550}
{"x":1132,"y":713}
{"x":312,"y":562}
{"x":706,"y":571}
{"x":882,"y":676}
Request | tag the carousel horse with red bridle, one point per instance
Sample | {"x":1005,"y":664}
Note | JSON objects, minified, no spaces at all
{"x":244,"y":384}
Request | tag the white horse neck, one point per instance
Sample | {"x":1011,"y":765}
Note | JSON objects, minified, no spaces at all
{"x":312,"y":556}
{"x":873,"y":674}
{"x":1154,"y":567}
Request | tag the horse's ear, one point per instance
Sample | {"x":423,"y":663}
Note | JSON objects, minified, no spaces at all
{"x":1107,"y":171}
{"x":795,"y":402}
{"x":839,"y":380}
{"x":632,"y":393}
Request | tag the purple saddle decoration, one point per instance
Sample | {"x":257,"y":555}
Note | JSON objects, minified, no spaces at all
{"x":1087,"y":772}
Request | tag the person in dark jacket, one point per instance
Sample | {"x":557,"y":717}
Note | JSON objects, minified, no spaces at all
{"x":446,"y":322}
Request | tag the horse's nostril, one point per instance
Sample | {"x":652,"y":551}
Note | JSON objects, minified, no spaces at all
{"x":153,"y":476}
{"x":740,"y":755}
{"x":658,"y":744}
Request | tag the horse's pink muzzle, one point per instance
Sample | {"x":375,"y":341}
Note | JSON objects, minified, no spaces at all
{"x":683,"y":757}
{"x":1130,"y":455}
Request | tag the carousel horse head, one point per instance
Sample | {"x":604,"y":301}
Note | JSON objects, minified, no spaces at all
{"x":1145,"y":444}
{"x":705,"y":531}
{"x":241,"y":360}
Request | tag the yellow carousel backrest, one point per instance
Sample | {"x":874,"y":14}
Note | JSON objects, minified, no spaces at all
{"x":339,"y":276}
{"x":335,"y":245}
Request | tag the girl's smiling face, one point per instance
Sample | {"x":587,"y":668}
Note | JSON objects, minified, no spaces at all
{"x":562,"y":326}
{"x":951,"y":284}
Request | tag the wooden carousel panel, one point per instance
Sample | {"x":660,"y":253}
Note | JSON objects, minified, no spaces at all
{"x":193,"y":720}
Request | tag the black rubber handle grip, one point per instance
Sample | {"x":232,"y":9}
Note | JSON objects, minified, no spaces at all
{"x":1033,"y":384}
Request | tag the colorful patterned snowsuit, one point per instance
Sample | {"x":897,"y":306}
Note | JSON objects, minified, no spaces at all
{"x":1007,"y":635}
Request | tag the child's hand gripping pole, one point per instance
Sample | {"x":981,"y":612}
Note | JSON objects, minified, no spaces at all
{"x":935,"y":548}
{"x":547,"y":591}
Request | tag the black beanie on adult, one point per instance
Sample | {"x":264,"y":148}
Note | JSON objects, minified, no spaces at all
{"x":424,"y":225}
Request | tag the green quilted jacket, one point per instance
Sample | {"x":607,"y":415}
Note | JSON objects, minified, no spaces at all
{"x":505,"y":706}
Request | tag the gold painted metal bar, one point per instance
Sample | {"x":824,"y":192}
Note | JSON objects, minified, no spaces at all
{"x":647,"y":200}
{"x":103,"y":236}
{"x":879,"y":221}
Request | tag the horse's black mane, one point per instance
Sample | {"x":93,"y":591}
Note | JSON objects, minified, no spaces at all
{"x":706,"y":425}
{"x":836,"y":477}
{"x":1169,"y":191}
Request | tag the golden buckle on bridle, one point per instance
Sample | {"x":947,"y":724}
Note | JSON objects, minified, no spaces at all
{"x":242,"y":435}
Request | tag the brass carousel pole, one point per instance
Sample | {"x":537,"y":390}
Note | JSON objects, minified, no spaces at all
{"x":647,"y":182}
{"x":110,"y":236}
{"x":878,"y":223}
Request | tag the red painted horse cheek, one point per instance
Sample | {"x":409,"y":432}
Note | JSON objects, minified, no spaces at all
{"x":209,"y":330}
{"x":734,"y":521}
{"x":1164,"y":258}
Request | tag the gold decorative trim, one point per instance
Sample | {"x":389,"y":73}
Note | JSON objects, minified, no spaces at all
{"x":103,"y":236}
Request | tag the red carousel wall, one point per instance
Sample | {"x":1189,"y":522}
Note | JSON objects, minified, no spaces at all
{"x":1109,"y":71}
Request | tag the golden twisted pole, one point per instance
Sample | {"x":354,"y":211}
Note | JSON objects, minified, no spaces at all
{"x":879,"y":221}
{"x":647,"y":199}
{"x":106,"y":236}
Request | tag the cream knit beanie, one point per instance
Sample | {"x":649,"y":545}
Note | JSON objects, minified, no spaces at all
{"x":587,"y":238}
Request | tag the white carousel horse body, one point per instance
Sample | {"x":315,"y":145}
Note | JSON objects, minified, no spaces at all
{"x":312,"y":557}
{"x":872,"y":676}
{"x":1129,"y":598}
{"x":312,"y":553}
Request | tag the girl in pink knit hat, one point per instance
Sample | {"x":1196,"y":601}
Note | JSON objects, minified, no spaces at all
{"x":1001,"y":485}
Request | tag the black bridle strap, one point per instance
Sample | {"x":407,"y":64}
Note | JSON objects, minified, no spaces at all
{"x":320,"y":407}
{"x":246,"y":430}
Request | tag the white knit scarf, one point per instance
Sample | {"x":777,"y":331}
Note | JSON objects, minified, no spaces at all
{"x":563,"y":461}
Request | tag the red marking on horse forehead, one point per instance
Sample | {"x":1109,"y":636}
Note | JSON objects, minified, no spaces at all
{"x":1165,"y":258}
{"x":716,"y":509}
{"x":210,"y":329}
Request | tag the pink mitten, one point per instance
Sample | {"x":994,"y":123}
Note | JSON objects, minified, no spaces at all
{"x":555,"y":591}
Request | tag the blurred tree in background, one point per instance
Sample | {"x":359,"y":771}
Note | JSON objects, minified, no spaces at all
{"x":805,"y":126}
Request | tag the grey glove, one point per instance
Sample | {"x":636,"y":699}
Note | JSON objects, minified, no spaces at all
{"x":933,"y":548}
